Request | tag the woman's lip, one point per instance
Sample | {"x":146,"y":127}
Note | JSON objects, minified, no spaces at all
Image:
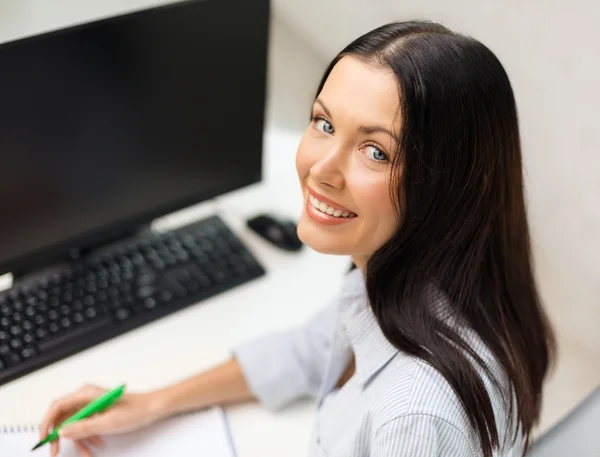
{"x":323,"y":218}
{"x":327,"y":201}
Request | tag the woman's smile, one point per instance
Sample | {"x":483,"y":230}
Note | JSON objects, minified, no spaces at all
{"x":325,"y":211}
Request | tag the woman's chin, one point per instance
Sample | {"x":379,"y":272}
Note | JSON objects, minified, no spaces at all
{"x":321,"y":242}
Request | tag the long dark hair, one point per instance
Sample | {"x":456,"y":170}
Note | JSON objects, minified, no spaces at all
{"x":457,"y":182}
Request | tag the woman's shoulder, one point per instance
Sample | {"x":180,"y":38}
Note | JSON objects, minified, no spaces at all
{"x":408,"y":386}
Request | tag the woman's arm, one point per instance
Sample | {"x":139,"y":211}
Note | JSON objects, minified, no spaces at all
{"x":224,"y":384}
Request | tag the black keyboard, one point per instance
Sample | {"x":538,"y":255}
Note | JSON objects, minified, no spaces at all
{"x":106,"y":294}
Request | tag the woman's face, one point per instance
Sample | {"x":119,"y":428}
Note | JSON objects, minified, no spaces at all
{"x":344,"y":161}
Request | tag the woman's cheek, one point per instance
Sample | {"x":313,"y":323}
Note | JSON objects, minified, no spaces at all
{"x":303,"y":159}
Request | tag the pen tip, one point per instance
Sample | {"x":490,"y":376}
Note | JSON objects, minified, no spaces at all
{"x":37,"y":445}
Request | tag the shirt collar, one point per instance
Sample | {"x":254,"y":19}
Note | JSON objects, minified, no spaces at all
{"x":372,"y":350}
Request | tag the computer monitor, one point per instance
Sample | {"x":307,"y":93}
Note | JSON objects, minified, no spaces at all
{"x":108,"y":125}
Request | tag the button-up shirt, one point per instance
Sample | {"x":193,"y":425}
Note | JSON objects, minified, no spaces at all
{"x":394,"y":405}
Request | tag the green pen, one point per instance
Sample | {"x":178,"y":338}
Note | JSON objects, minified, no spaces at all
{"x":96,"y":406}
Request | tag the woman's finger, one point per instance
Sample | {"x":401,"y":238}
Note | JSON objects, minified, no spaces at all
{"x":82,"y":448}
{"x":54,"y":448}
{"x":96,"y":441}
{"x":65,"y":405}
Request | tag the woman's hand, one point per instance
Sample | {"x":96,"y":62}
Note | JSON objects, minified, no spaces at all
{"x":133,"y":411}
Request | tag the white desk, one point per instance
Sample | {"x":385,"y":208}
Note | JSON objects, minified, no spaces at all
{"x":295,"y":286}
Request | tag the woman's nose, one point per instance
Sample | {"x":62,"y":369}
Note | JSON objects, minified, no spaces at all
{"x":329,"y":170}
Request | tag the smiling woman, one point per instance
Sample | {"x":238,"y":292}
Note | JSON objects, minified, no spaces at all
{"x":437,"y":344}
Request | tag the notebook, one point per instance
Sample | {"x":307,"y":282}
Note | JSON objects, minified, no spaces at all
{"x":205,"y":433}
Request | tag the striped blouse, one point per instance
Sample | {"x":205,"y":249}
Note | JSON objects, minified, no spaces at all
{"x":394,"y":405}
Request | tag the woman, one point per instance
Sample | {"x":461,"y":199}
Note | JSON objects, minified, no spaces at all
{"x":437,"y":344}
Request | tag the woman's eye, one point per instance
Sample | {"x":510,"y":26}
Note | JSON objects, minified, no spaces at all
{"x":325,"y":126}
{"x":376,"y":153}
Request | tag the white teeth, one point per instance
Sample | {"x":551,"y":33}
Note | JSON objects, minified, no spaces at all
{"x":324,"y":208}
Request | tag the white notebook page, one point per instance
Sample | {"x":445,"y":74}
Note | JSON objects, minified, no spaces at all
{"x":205,"y":433}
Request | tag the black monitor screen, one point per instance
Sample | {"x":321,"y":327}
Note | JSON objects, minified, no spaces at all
{"x":115,"y":122}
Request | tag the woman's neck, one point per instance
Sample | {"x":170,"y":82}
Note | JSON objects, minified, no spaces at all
{"x":360,"y":262}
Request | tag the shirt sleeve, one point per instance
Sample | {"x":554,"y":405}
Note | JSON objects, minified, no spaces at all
{"x":420,"y":435}
{"x":284,"y":366}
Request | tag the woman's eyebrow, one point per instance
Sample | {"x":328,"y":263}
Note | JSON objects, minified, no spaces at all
{"x":324,"y":107}
{"x":368,"y":129}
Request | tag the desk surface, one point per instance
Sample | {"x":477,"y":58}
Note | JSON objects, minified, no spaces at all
{"x":296,"y":285}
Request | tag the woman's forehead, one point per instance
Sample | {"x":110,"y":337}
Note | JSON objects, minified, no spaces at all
{"x":366,"y":93}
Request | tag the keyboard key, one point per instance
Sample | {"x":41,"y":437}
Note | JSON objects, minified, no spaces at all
{"x":41,"y":333}
{"x":15,"y":344}
{"x":122,"y":314}
{"x":138,"y":259}
{"x":127,"y":275}
{"x":90,"y":313}
{"x":145,"y":291}
{"x":158,"y":264}
{"x":28,"y":352}
{"x":101,"y":296}
{"x":150,"y":303}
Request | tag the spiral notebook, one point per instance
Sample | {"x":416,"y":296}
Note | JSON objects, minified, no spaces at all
{"x":204,"y":433}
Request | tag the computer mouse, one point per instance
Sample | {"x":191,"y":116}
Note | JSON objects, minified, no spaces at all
{"x":280,"y":232}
